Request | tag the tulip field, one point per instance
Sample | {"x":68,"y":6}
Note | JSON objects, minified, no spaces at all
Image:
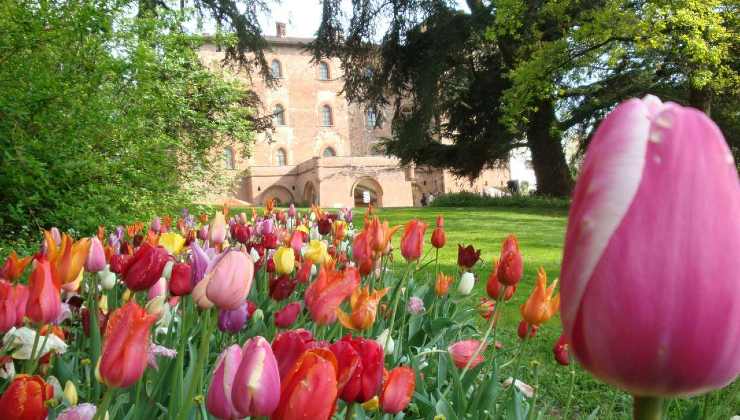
{"x":310,"y":313}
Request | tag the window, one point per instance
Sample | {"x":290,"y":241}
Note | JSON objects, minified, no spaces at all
{"x":323,"y":71}
{"x":371,"y":119}
{"x":276,"y":70}
{"x":281,"y":158}
{"x":229,"y":158}
{"x":326,"y":120}
{"x":278,"y":115}
{"x":329,"y":152}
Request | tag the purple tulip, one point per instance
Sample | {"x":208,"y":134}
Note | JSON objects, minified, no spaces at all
{"x":199,"y":261}
{"x":267,"y":226}
{"x":218,"y":400}
{"x":256,"y":387}
{"x":233,"y":320}
{"x":156,"y":224}
{"x":84,"y":411}
{"x":650,"y":285}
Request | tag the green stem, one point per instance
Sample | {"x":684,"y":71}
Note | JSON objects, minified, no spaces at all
{"x":348,"y":415}
{"x":195,"y":382}
{"x":570,"y":392}
{"x":397,"y":293}
{"x":103,"y":406}
{"x":29,"y":363}
{"x":647,"y":408}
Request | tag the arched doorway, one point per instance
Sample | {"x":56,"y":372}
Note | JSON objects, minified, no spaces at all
{"x":367,"y":191}
{"x":282,"y":195}
{"x":309,"y":194}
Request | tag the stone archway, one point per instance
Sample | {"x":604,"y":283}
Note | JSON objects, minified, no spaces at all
{"x":367,"y":191}
{"x":282,"y":195}
{"x":309,"y":194}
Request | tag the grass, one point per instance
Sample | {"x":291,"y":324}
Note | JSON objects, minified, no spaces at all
{"x":541,"y":232}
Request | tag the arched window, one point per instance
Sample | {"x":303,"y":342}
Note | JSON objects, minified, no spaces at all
{"x":229,"y":158}
{"x":329,"y":152}
{"x":323,"y":71}
{"x":278,"y":115}
{"x":281,"y":158}
{"x":276,"y":70}
{"x":326,"y":119}
{"x":371,"y":119}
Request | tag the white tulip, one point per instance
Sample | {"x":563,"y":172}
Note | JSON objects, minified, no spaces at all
{"x":386,"y":341}
{"x":467,"y":281}
{"x":107,"y":278}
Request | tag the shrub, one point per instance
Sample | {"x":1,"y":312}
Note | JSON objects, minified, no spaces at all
{"x":469,"y":199}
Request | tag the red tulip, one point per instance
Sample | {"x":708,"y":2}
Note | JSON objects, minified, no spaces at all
{"x":360,"y":363}
{"x":145,"y":268}
{"x":230,"y":279}
{"x":650,"y":296}
{"x":8,"y":304}
{"x":439,"y":239}
{"x":288,"y":346}
{"x":241,"y":233}
{"x":22,"y":294}
{"x":281,"y":287}
{"x":304,"y":272}
{"x":467,"y":256}
{"x":181,"y":283}
{"x":118,"y":262}
{"x":398,"y":390}
{"x":494,"y":288}
{"x":85,"y":317}
{"x":523,"y":328}
{"x":362,"y":253}
{"x":328,"y":291}
{"x":285,"y":317}
{"x":25,"y":398}
{"x":44,"y":300}
{"x":14,"y":266}
{"x":462,"y":352}
{"x":309,"y":390}
{"x":412,"y":240}
{"x":560,"y":351}
{"x":510,"y":267}
{"x":126,"y":339}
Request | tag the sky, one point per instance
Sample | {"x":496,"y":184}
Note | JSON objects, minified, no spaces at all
{"x":302,"y":17}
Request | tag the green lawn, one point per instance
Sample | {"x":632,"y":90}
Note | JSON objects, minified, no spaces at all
{"x":540,"y":234}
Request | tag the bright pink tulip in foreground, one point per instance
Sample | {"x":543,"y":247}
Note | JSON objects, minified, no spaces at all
{"x":230,"y":280}
{"x":256,"y":390}
{"x":650,"y":283}
{"x":218,"y":400}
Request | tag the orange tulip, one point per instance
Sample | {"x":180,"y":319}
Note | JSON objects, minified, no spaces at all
{"x":541,"y":305}
{"x":309,"y":390}
{"x":134,"y":229}
{"x":380,"y":235}
{"x":442,"y":286}
{"x":398,"y":390}
{"x":123,"y":359}
{"x":44,"y":300}
{"x":364,"y":308}
{"x":25,"y":398}
{"x":412,"y":241}
{"x":328,"y":291}
{"x":14,"y":266}
{"x":69,"y":257}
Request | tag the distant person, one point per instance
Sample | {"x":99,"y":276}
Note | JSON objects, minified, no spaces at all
{"x":424,"y":199}
{"x":430,"y":198}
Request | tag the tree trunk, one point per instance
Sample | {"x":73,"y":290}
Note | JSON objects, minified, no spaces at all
{"x":548,"y":158}
{"x":701,"y":99}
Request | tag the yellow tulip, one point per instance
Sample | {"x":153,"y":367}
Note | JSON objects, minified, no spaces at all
{"x":172,"y":242}
{"x":70,"y":393}
{"x":317,"y":252}
{"x":284,"y":259}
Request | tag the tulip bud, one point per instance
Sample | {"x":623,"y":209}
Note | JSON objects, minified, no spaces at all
{"x":285,"y":317}
{"x":199,"y":294}
{"x":107,"y":278}
{"x":181,"y":282}
{"x":467,"y":282}
{"x":233,"y":320}
{"x":439,"y":239}
{"x":560,"y":351}
{"x":462,"y":353}
{"x":386,"y":341}
{"x":70,"y":393}
{"x":258,"y":315}
{"x":218,"y":400}
{"x":95,"y":257}
{"x":158,"y":289}
{"x":398,"y":390}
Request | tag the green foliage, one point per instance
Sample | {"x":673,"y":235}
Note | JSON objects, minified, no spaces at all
{"x":469,"y":199}
{"x":104,"y":117}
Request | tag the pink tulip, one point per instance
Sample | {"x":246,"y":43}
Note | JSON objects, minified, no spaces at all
{"x":650,"y":285}
{"x":218,"y":229}
{"x":159,"y":288}
{"x":229,"y":279}
{"x":95,"y":257}
{"x":462,"y":352}
{"x":44,"y":299}
{"x":256,"y":390}
{"x":218,"y":400}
